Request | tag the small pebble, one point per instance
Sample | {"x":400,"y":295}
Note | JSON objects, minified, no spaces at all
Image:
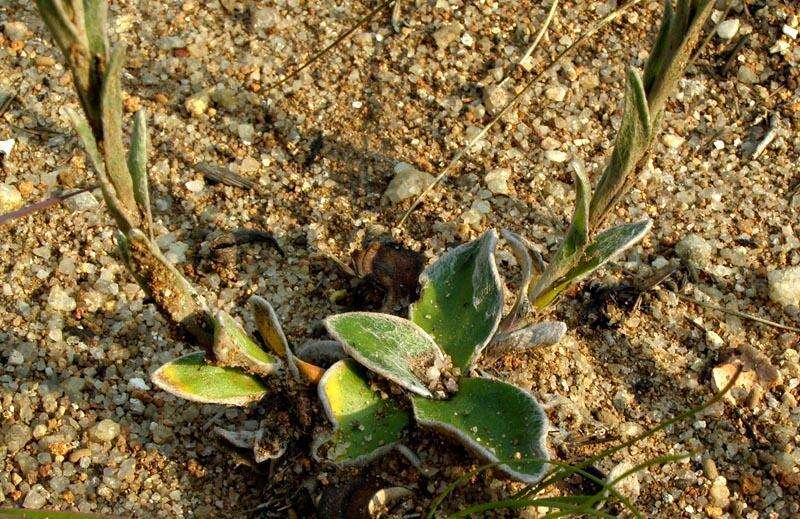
{"x":447,"y":34}
{"x":81,"y":202}
{"x":556,"y":156}
{"x":784,"y":286}
{"x":673,"y":141}
{"x":728,"y":29}
{"x":10,"y":198}
{"x":710,"y":469}
{"x":106,"y":430}
{"x":746,"y":75}
{"x":720,"y":495}
{"x":60,"y":300}
{"x":197,"y":104}
{"x":36,"y":497}
{"x":195,"y":186}
{"x":407,"y":182}
{"x":556,"y":93}
{"x":495,"y":99}
{"x":695,"y":250}
{"x":497,"y":181}
{"x":16,"y":31}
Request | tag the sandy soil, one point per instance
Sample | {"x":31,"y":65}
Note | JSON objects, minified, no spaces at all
{"x":77,"y":340}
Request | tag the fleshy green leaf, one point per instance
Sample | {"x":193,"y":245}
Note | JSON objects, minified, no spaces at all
{"x":578,"y":232}
{"x":233,"y":347}
{"x":190,"y":377}
{"x":497,"y":421}
{"x":659,"y":53}
{"x":269,"y":326}
{"x":605,"y":247}
{"x":461,"y":301}
{"x":393,"y":347}
{"x":365,"y":425}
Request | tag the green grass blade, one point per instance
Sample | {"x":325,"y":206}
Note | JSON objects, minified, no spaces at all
{"x":95,"y":14}
{"x":113,"y":149}
{"x":137,"y":166}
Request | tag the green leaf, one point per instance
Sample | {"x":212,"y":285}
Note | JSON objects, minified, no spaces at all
{"x":499,"y":422}
{"x":190,"y":377}
{"x":233,"y":347}
{"x":578,"y":233}
{"x":269,"y":326}
{"x":569,"y":253}
{"x":461,"y":301}
{"x":605,"y":247}
{"x":95,"y":14}
{"x":113,"y":150}
{"x":137,"y":166}
{"x":390,"y":346}
{"x":658,"y":56}
{"x":365,"y":425}
{"x":523,"y":256}
{"x":96,"y":160}
{"x":632,"y":142}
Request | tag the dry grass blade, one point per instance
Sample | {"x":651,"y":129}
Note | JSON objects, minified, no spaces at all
{"x":710,"y":34}
{"x":468,"y":146}
{"x":225,"y":176}
{"x":737,"y":313}
{"x":369,"y":16}
{"x":542,"y":31}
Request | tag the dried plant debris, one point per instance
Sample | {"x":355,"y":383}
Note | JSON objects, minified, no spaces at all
{"x":222,"y":246}
{"x":221,"y":175}
{"x":352,"y":499}
{"x":263,"y":443}
{"x":388,"y":277}
{"x":758,"y":374}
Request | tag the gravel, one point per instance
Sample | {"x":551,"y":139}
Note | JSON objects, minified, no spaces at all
{"x":407,"y":182}
{"x":10,"y":198}
{"x":784,"y":286}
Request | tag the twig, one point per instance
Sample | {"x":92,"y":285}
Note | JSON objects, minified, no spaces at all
{"x":6,"y":103}
{"x":711,"y":33}
{"x":583,"y":39}
{"x":42,"y":204}
{"x":731,"y":59}
{"x":737,"y":313}
{"x":335,"y":42}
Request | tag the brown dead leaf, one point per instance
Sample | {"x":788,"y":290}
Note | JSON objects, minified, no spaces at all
{"x":388,"y":276}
